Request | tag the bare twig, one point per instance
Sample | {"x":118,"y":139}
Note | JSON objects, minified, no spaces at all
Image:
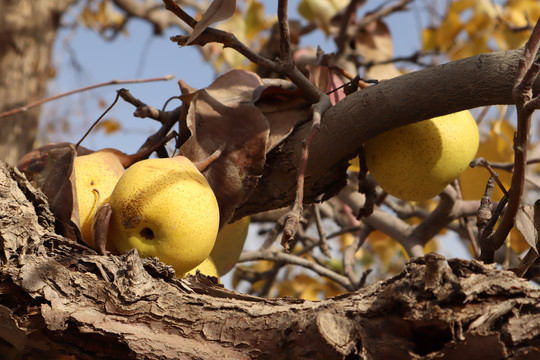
{"x":349,"y":256}
{"x":510,"y":166}
{"x":482,"y":162}
{"x":382,"y":12}
{"x":210,"y":35}
{"x":323,"y":241}
{"x":341,"y":39}
{"x":91,"y":87}
{"x":527,"y":73}
{"x":277,"y":256}
{"x":152,"y":13}
{"x":365,"y":187}
{"x":99,"y":118}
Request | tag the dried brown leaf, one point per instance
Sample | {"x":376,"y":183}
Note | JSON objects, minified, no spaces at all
{"x":100,"y":227}
{"x":242,"y":117}
{"x":284,"y":111}
{"x":525,"y":224}
{"x":327,"y":81}
{"x":36,"y":160}
{"x":57,"y":181}
{"x":223,"y":117}
{"x":374,"y":44}
{"x":217,"y":11}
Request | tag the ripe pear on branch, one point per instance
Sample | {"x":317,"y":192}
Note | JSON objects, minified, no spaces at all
{"x":417,"y":161}
{"x":165,"y":208}
{"x":96,"y":175}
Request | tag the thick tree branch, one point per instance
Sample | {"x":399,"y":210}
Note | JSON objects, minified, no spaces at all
{"x":465,"y":84}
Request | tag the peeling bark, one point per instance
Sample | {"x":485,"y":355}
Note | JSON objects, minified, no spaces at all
{"x":60,"y":297}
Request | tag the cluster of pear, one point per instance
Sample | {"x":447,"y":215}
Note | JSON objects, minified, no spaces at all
{"x":164,"y":208}
{"x":417,"y":161}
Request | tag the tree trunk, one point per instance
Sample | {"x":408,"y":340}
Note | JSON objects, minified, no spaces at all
{"x":27,"y":33}
{"x":58,"y":297}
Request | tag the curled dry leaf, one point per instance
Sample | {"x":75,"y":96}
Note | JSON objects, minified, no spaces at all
{"x":525,"y":224}
{"x":217,"y":11}
{"x":36,"y":160}
{"x":223,"y":117}
{"x":284,"y":106}
{"x":374,"y":44}
{"x":327,"y":81}
{"x":244,"y":119}
{"x":100,"y":227}
{"x":57,"y":181}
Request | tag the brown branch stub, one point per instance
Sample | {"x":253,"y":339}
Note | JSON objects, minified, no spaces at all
{"x":484,"y":163}
{"x":293,"y":218}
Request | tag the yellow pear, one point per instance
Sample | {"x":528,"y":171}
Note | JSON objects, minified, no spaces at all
{"x":229,"y":244}
{"x":207,"y":267}
{"x":96,"y":175}
{"x":416,"y":162}
{"x":165,"y":208}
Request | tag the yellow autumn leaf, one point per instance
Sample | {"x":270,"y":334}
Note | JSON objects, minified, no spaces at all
{"x":521,"y":12}
{"x":110,"y":126}
{"x":516,"y":14}
{"x":301,"y":286}
{"x":355,"y":165}
{"x":517,"y":241}
{"x":332,"y":289}
{"x":457,"y":7}
{"x":429,"y":39}
{"x":431,"y":246}
{"x":256,"y":20}
{"x":450,"y":27}
{"x":497,"y":147}
{"x":385,"y":247}
{"x":321,"y":11}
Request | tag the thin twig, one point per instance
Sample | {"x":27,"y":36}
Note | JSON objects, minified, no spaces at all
{"x":510,"y":165}
{"x":349,"y":255}
{"x":382,"y":12}
{"x":366,"y":187}
{"x":323,"y":241}
{"x":277,"y":256}
{"x":342,"y":37}
{"x":91,"y":87}
{"x":99,"y":118}
{"x":482,"y":162}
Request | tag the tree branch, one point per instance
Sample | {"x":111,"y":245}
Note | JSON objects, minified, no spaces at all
{"x":527,"y":72}
{"x":465,"y":84}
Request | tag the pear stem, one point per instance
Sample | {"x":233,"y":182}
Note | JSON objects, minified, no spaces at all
{"x":203,"y":165}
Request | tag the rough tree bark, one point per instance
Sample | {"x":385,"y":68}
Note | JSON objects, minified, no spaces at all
{"x":27,"y":33}
{"x":58,"y":297}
